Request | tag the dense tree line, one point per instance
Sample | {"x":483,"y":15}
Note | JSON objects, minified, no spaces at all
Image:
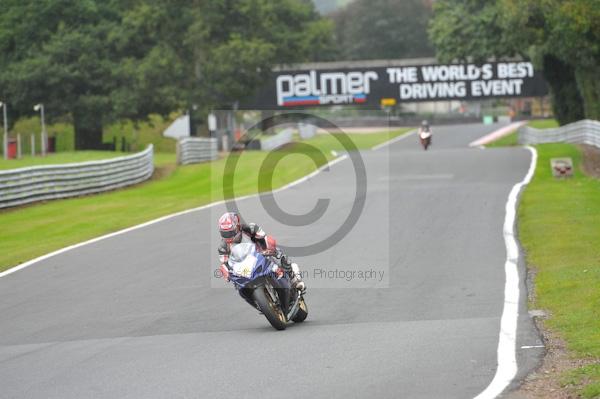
{"x":383,"y":29}
{"x":105,"y":60}
{"x":561,"y":36}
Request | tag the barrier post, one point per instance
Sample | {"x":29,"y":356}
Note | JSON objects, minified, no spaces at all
{"x":5,"y":138}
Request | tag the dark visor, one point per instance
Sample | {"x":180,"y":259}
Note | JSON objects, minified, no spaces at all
{"x":228,"y":234}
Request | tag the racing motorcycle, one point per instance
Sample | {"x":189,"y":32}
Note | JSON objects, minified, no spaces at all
{"x":262,"y":282}
{"x":425,"y":137}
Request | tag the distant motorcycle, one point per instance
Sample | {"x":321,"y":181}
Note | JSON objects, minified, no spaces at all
{"x":425,"y":137}
{"x":264,"y":284}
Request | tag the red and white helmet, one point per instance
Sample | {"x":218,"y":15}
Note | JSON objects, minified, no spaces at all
{"x":230,"y":227}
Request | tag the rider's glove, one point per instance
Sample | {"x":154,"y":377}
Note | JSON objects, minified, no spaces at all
{"x":224,"y":272}
{"x":253,"y":229}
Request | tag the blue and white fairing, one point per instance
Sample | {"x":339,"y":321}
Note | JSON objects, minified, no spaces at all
{"x":247,"y":265}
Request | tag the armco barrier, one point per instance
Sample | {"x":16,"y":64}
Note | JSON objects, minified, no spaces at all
{"x":582,"y":132}
{"x":39,"y":183}
{"x":281,"y":138}
{"x":196,"y":149}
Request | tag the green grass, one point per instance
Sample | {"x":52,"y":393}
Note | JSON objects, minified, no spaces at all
{"x":506,"y":141}
{"x":559,"y":228}
{"x":512,"y":139}
{"x":543,"y":123}
{"x":58,"y":158}
{"x":34,"y":230}
{"x":160,"y":158}
{"x":581,"y":376}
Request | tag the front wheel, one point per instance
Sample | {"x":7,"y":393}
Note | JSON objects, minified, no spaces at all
{"x":271,"y":311}
{"x":301,"y":313}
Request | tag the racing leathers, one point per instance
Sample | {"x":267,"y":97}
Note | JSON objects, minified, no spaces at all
{"x":255,"y":234}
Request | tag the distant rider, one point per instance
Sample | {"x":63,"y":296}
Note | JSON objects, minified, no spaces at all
{"x":425,"y":133}
{"x":233,"y":232}
{"x":425,"y":130}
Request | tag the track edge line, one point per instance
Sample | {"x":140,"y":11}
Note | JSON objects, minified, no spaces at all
{"x":163,"y":218}
{"x":507,"y":366}
{"x":394,"y":140}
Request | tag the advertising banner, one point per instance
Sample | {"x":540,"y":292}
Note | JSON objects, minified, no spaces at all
{"x":372,"y":87}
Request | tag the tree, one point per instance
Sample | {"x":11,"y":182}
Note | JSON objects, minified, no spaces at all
{"x":470,"y":30}
{"x":383,"y":29}
{"x":575,"y":38}
{"x":565,"y":31}
{"x":103,"y":60}
{"x":235,"y":43}
{"x":567,"y":101}
{"x":561,"y":36}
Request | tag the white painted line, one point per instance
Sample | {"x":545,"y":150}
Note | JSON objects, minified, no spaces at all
{"x":505,"y":131}
{"x":507,"y":352}
{"x":163,"y":218}
{"x":532,"y":346}
{"x":394,"y":140}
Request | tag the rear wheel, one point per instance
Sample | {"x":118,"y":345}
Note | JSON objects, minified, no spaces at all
{"x":271,"y":311}
{"x":301,"y":313}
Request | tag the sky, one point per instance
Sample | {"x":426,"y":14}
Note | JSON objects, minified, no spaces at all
{"x":326,"y":6}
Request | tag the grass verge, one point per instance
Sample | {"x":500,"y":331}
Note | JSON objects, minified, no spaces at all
{"x":58,"y":158}
{"x":559,"y":229}
{"x":512,"y":139}
{"x":34,"y":230}
{"x":506,"y":141}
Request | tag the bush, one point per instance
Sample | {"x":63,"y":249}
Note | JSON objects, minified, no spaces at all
{"x":138,"y":136}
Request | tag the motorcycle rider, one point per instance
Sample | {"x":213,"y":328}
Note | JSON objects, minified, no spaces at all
{"x":232,"y":232}
{"x":425,"y":132}
{"x":425,"y":128}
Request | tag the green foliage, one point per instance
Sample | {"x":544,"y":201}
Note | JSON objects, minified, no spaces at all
{"x":101,"y":61}
{"x":470,"y":30}
{"x":140,"y":134}
{"x":62,"y":131}
{"x":567,"y":103}
{"x":562,"y":36}
{"x":383,"y":29}
{"x":569,"y":31}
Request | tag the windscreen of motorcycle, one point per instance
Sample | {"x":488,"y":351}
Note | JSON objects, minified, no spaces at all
{"x":243,"y":259}
{"x":424,"y":134}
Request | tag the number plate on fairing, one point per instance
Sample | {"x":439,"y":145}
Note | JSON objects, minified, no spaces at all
{"x":245,"y":267}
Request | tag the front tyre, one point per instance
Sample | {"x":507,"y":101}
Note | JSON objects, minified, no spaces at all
{"x":301,"y":313}
{"x":271,"y":311}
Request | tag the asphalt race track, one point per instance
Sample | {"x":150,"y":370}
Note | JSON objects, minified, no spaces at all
{"x":140,"y":315}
